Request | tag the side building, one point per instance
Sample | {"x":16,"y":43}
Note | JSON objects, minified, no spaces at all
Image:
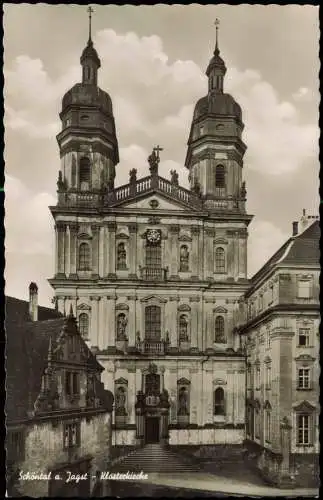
{"x":58,"y":414}
{"x":279,"y":319}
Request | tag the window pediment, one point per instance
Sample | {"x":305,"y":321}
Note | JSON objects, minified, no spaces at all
{"x":122,"y":236}
{"x":305,"y":407}
{"x":122,"y":307}
{"x":219,"y":381}
{"x":121,"y":381}
{"x":84,"y":236}
{"x":84,"y":307}
{"x":220,"y":241}
{"x":152,"y":298}
{"x":183,"y":381}
{"x":184,"y":308}
{"x":267,"y":359}
{"x":184,"y":237}
{"x":220,"y":310}
{"x":305,"y":358}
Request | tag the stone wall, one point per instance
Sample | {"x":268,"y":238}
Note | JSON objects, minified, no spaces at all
{"x":44,"y":450}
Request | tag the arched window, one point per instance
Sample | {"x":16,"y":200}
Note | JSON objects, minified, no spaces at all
{"x":183,"y":328}
{"x":84,"y":257}
{"x":152,"y":322}
{"x":121,"y":257}
{"x":219,"y":404}
{"x":85,"y":169}
{"x":184,"y":258}
{"x":219,"y":336}
{"x":220,"y":260}
{"x":84,"y":325}
{"x":183,"y":401}
{"x":121,"y":326}
{"x":219,"y":176}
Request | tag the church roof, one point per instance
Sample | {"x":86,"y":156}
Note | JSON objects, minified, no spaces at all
{"x":27,"y":348}
{"x":87,"y":95}
{"x":300,"y":250}
{"x":217,"y":104}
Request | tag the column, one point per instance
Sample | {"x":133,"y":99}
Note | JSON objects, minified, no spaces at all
{"x":112,"y":250}
{"x":243,"y":254}
{"x":194,"y":396}
{"x":235,"y":273}
{"x":174,"y":230}
{"x":101,"y":250}
{"x":139,"y":320}
{"x":102,"y":323}
{"x":195,"y":231}
{"x":199,"y":397}
{"x":94,"y":332}
{"x":285,"y":429}
{"x":132,"y":320}
{"x":195,"y":313}
{"x":230,"y":397}
{"x":60,"y":233}
{"x":73,"y":256}
{"x":208,"y":332}
{"x":240,"y":392}
{"x":132,"y":394}
{"x":110,"y":327}
{"x":171,"y":320}
{"x":133,"y":250}
{"x":95,"y":251}
{"x":209,"y":260}
{"x":67,"y":247}
{"x":201,"y":242}
{"x":106,"y":254}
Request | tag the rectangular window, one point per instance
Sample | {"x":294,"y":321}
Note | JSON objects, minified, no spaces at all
{"x":16,"y":445}
{"x":304,"y":289}
{"x":153,"y":256}
{"x":304,"y":378}
{"x":258,"y":377}
{"x":268,"y":377}
{"x":303,"y":429}
{"x":72,"y":386}
{"x":267,"y":426}
{"x":304,"y":337}
{"x":72,"y":435}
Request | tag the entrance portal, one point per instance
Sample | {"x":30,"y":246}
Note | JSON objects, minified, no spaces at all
{"x":152,"y":430}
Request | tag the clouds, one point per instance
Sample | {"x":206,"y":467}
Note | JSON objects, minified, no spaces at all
{"x":153,"y":94}
{"x":264,"y":240}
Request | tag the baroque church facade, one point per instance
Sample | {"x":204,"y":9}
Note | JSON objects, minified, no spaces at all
{"x":155,"y":271}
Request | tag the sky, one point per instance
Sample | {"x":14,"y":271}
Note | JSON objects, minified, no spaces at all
{"x":153,"y":62}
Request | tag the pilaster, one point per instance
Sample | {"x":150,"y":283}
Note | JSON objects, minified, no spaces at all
{"x":94,"y":333}
{"x":133,"y":250}
{"x":73,"y":237}
{"x":112,"y":249}
{"x":111,"y":320}
{"x":132,"y":320}
{"x":60,"y":237}
{"x":195,"y":232}
{"x":174,"y":230}
{"x":95,"y":250}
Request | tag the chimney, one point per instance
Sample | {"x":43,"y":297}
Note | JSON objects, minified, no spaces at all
{"x":33,"y":302}
{"x":295,"y":228}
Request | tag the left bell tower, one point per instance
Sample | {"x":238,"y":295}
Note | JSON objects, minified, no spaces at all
{"x":87,"y":142}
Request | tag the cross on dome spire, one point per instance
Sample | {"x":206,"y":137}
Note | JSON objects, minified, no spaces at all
{"x":217,"y":24}
{"x":90,"y":11}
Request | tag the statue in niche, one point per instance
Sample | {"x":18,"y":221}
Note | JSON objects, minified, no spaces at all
{"x":153,"y":161}
{"x":184,"y":258}
{"x":167,"y":341}
{"x":61,"y":185}
{"x":120,"y":401}
{"x":121,"y":327}
{"x":133,"y":176}
{"x":183,"y":328}
{"x":183,"y":401}
{"x":243,"y":190}
{"x":174,"y":177}
{"x":197,"y":187}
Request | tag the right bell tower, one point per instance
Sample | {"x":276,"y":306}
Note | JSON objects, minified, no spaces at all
{"x":215,"y":147}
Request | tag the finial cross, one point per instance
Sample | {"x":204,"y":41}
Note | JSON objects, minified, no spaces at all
{"x":90,"y":11}
{"x":217,"y":24}
{"x":157,"y":149}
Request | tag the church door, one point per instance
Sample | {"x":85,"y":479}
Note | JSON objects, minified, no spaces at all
{"x":152,"y":430}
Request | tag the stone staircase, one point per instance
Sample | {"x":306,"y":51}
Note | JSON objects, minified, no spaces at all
{"x":155,"y":458}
